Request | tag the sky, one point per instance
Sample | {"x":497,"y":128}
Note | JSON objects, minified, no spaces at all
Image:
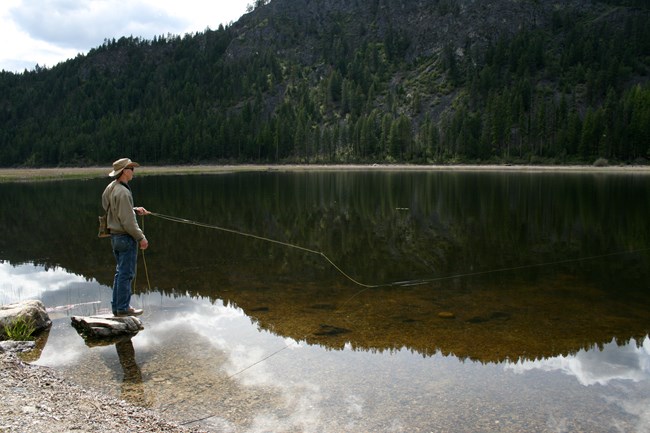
{"x":48,"y":32}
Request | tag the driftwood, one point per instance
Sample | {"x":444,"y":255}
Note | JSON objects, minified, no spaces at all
{"x":106,"y":326}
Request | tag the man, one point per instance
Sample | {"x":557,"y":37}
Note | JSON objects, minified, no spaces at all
{"x":126,"y":235}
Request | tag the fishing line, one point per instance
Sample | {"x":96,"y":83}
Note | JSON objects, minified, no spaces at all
{"x":144,"y":262}
{"x":395,"y":283}
{"x":275,"y":241}
{"x":426,"y":281}
{"x":364,"y":286}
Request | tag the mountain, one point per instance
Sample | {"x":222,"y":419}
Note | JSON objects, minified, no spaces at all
{"x":502,"y":81}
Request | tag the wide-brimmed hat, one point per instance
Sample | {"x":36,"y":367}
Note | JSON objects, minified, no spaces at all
{"x":120,"y":165}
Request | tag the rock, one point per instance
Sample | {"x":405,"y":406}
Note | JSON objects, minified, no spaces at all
{"x":29,"y":310}
{"x":16,"y":346}
{"x":106,"y":326}
{"x":29,"y":409}
{"x":496,"y":315}
{"x":329,"y":330}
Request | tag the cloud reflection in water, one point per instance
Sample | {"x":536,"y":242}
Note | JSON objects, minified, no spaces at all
{"x":310,"y":388}
{"x":27,"y":281}
{"x":590,"y":367}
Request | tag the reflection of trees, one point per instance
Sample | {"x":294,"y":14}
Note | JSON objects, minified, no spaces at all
{"x":496,"y":322}
{"x":455,"y":222}
{"x":378,"y":226}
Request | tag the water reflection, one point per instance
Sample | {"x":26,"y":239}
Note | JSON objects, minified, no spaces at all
{"x":129,"y":377}
{"x":257,"y":337}
{"x":613,"y":361}
{"x":197,"y":358}
{"x":132,"y":385}
{"x":19,"y":283}
{"x":204,"y":359}
{"x":546,"y":265}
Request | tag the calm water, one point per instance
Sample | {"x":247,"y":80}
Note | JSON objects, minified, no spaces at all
{"x":545,"y":276}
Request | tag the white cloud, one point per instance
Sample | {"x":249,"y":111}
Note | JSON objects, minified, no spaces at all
{"x":47,"y":32}
{"x":72,"y":24}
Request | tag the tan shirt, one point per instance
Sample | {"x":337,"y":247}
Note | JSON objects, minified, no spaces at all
{"x":117,"y":201}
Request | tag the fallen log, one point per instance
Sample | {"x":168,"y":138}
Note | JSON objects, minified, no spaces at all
{"x":106,"y":326}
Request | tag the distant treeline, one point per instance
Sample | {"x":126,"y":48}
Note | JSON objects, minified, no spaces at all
{"x":571,"y":92}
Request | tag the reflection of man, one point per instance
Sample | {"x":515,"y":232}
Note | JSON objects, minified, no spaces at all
{"x":126,"y":235}
{"x":132,"y":387}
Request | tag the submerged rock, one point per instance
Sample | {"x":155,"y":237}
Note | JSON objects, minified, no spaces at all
{"x":329,"y":330}
{"x":16,"y":346}
{"x":496,"y":315}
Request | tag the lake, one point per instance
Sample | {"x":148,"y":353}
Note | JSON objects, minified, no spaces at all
{"x":359,"y":300}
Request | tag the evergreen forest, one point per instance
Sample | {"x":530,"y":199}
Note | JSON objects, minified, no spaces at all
{"x":325,"y":81}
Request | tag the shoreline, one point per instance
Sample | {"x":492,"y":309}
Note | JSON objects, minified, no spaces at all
{"x":36,"y":398}
{"x":64,"y":173}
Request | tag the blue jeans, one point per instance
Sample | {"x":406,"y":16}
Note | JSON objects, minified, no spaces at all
{"x":125,"y":250}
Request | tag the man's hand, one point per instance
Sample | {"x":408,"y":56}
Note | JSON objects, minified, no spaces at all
{"x":144,"y":244}
{"x":141,"y":211}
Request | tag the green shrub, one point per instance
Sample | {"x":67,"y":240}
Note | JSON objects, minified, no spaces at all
{"x":21,"y":329}
{"x":601,"y":162}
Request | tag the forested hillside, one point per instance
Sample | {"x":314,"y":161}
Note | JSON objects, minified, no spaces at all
{"x":338,"y":81}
